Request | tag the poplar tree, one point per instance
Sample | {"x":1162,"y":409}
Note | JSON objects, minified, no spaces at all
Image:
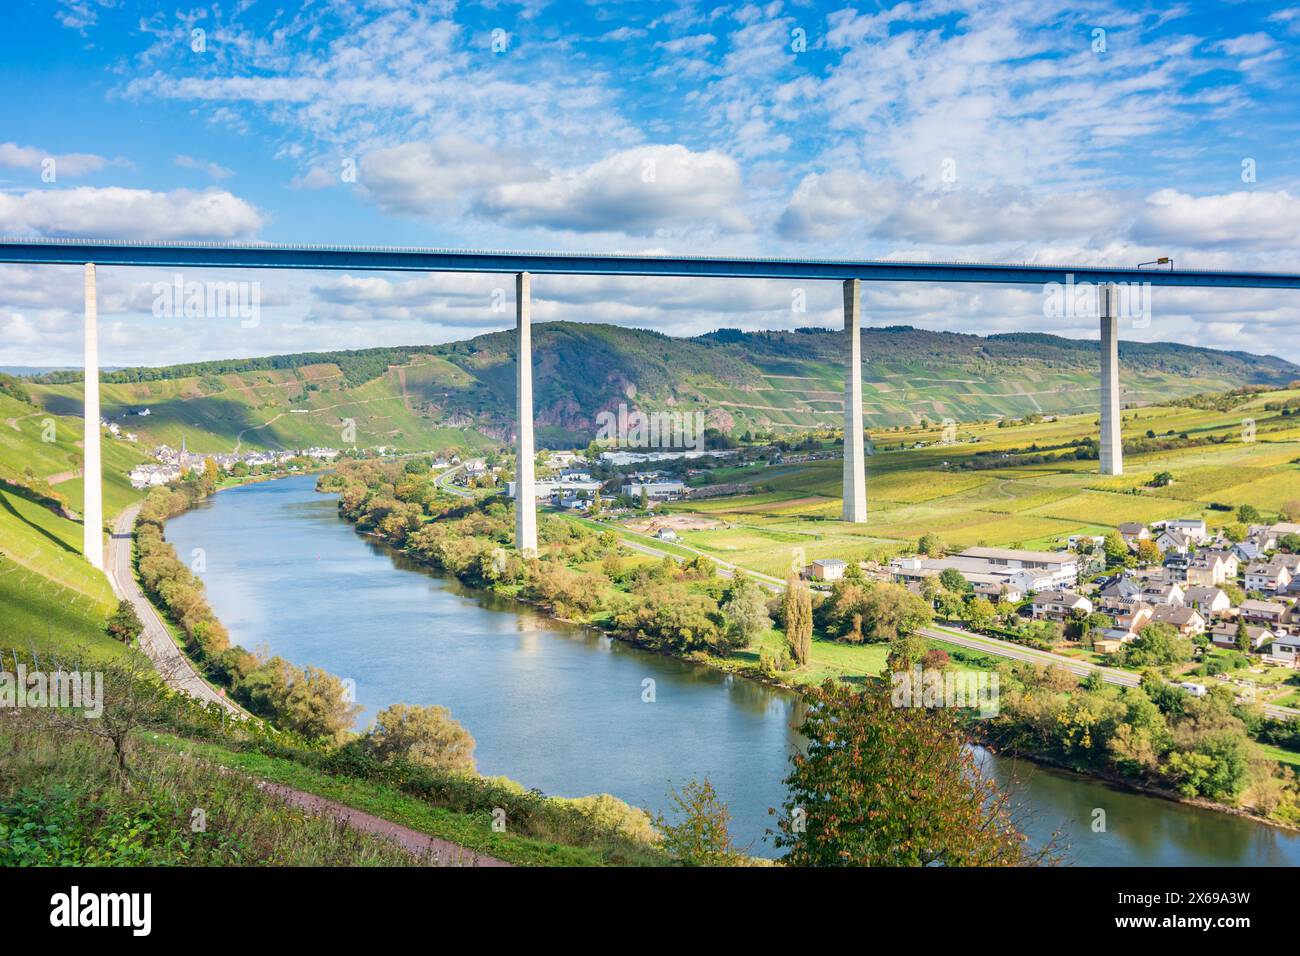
{"x":798,"y":619}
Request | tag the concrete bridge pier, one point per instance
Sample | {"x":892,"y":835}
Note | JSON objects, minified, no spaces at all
{"x":855,"y":461}
{"x":525,"y":496}
{"x":1112,"y":448}
{"x":92,"y":512}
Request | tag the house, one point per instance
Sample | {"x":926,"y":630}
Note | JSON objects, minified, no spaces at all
{"x":1212,"y":567}
{"x":1193,"y":528}
{"x":1262,"y":612}
{"x":1285,"y":649}
{"x":995,"y":588}
{"x":475,"y":467}
{"x":1225,"y":635}
{"x":1076,"y":542}
{"x":1111,"y":645}
{"x":1270,"y":578}
{"x":1263,"y":537}
{"x":1054,"y":569}
{"x":1188,"y":621}
{"x":1158,"y":593}
{"x":990,"y":571}
{"x":827,"y":569}
{"x":550,"y":489}
{"x":667,"y":534}
{"x":1208,"y":600}
{"x":1134,"y":618}
{"x":1118,"y":589}
{"x":1173,"y":540}
{"x":655,"y":490}
{"x":1132,"y":532}
{"x":1248,"y":550}
{"x":1059,"y":605}
{"x":149,"y":476}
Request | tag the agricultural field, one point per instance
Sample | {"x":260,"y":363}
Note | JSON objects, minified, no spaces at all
{"x":916,"y":485}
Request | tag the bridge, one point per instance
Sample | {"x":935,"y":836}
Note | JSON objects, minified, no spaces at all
{"x":1110,"y":283}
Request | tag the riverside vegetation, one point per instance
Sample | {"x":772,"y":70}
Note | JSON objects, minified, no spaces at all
{"x":1156,"y":735}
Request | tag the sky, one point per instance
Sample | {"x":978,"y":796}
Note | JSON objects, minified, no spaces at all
{"x":1018,"y":131}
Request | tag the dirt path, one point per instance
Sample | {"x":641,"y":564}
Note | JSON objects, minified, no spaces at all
{"x":434,"y":849}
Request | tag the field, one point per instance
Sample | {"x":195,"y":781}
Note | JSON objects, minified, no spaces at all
{"x":915,"y":485}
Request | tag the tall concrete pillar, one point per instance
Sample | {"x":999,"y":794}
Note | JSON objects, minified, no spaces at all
{"x":855,"y":460}
{"x":93,"y":510}
{"x":1112,"y":448}
{"x":525,"y":496}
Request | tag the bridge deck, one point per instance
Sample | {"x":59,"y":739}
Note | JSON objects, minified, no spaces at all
{"x":177,"y":255}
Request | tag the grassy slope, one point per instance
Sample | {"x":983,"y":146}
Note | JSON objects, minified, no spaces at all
{"x":777,"y":380}
{"x":290,"y":408}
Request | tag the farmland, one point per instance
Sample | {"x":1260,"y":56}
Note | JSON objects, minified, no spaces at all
{"x":916,"y":484}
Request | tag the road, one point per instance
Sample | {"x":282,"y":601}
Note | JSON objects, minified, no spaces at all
{"x":1112,"y":675}
{"x":155,"y":640}
{"x":443,"y":482}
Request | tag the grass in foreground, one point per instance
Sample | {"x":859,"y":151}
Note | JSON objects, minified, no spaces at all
{"x":62,"y":804}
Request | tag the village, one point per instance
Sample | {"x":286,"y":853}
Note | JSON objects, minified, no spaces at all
{"x":172,"y":463}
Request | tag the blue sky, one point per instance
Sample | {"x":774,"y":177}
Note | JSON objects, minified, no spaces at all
{"x":1021,"y":131}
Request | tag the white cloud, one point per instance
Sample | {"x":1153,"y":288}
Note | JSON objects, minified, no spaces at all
{"x":688,"y":44}
{"x":1261,"y":220}
{"x":635,"y":192}
{"x":837,"y":204}
{"x":115,"y":212}
{"x":207,"y":167}
{"x":33,"y":160}
{"x":439,"y":178}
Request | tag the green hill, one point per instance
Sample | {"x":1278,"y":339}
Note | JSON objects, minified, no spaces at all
{"x":462,"y":393}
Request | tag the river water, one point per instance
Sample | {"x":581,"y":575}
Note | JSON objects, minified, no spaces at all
{"x":566,"y":710}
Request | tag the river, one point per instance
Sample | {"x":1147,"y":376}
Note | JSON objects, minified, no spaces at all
{"x":569,"y":711}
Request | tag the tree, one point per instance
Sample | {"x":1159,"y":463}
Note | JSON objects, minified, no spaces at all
{"x":953,"y":580}
{"x":881,"y":785}
{"x":1236,"y":532}
{"x":1148,"y":552}
{"x":1162,"y":479}
{"x":1157,"y":644}
{"x":798,"y":618}
{"x":930,"y":545}
{"x":980,"y":614}
{"x":311,"y":702}
{"x":702,"y":837}
{"x":423,"y":735}
{"x":1115,"y":548}
{"x":745,"y":611}
{"x":906,"y":652}
{"x":1243,"y":637}
{"x":1249,"y":514}
{"x":891,"y":610}
{"x":125,"y":625}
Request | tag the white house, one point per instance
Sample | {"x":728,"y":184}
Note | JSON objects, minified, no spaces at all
{"x":1225,"y":635}
{"x":1208,"y":600}
{"x":1193,"y":528}
{"x":655,"y":490}
{"x":1285,"y":649}
{"x":1060,"y":604}
{"x":1271,"y":577}
{"x":827,"y":569}
{"x":1171,"y":540}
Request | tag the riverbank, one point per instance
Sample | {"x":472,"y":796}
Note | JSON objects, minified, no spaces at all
{"x":1119,"y":736}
